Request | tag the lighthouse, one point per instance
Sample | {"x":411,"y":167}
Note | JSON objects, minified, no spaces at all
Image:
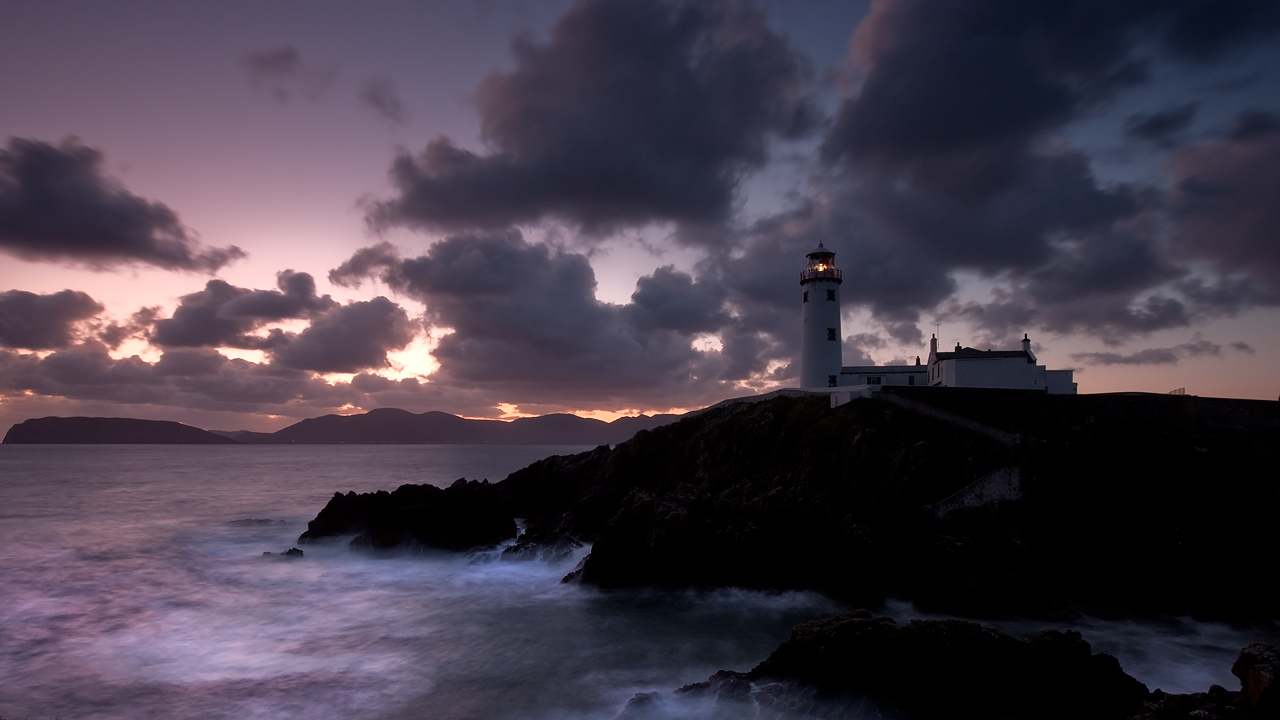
{"x":820,"y":320}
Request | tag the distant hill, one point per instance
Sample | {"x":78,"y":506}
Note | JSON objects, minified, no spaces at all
{"x":109,"y":431}
{"x":389,"y":426}
{"x":385,"y":426}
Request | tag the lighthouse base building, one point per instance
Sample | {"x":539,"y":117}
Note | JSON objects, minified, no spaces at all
{"x":820,"y":359}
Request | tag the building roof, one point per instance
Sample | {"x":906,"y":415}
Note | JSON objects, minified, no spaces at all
{"x":881,"y":369}
{"x":974,"y":354}
{"x":820,"y":251}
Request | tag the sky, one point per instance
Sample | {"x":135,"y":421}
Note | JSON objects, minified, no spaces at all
{"x":241,"y":214}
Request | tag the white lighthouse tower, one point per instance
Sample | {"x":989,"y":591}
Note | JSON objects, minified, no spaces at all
{"x":820,"y":320}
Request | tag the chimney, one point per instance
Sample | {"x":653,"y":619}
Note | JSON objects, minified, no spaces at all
{"x":1026,"y":347}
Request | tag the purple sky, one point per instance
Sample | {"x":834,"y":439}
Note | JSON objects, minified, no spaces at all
{"x":240,"y":214}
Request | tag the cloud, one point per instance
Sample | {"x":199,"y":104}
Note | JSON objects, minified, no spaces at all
{"x":200,"y":379}
{"x":1161,"y":127}
{"x":43,"y":322}
{"x":522,"y":320}
{"x":1224,"y":202}
{"x":1151,"y":356}
{"x":338,"y":338}
{"x":380,"y":95}
{"x":281,"y":72}
{"x":1207,"y":29}
{"x":673,"y":300}
{"x":947,"y":158}
{"x":223,"y":315}
{"x":634,"y":111}
{"x":1244,"y":347}
{"x":57,"y":206}
{"x":348,"y":339}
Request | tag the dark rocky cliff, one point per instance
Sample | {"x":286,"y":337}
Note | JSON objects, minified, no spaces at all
{"x":1151,"y":503}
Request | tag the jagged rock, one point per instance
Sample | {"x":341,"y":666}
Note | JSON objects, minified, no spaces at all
{"x":466,"y":515}
{"x":538,"y":544}
{"x":290,"y":553}
{"x":942,"y":668}
{"x":1258,"y":668}
{"x":641,"y":705}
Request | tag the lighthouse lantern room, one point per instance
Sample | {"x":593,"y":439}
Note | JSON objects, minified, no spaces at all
{"x":820,"y":355}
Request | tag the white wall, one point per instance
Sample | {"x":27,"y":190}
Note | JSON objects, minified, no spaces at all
{"x":819,"y":357}
{"x":1061,"y":382}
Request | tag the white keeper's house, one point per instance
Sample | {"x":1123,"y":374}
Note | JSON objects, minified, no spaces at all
{"x":821,"y":362}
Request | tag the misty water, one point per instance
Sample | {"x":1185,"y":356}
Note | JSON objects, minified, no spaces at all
{"x":133,"y":585}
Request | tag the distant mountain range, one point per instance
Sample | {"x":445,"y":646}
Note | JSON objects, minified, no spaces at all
{"x":386,"y":426}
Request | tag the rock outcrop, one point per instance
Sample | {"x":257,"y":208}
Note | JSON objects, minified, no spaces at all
{"x":1115,"y":498}
{"x":857,"y":665}
{"x":468,"y":514}
{"x":840,"y":667}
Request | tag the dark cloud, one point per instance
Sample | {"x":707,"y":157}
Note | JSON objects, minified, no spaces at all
{"x":379,"y":94}
{"x":524,"y":322}
{"x":856,"y":348}
{"x":1161,"y":127}
{"x":338,"y":338}
{"x":367,"y":262}
{"x":634,"y":111}
{"x":971,"y":83}
{"x":1253,"y":123}
{"x":1207,"y":29}
{"x":113,"y":334}
{"x":348,"y":339}
{"x":945,"y":160}
{"x":1244,"y":347}
{"x":282,"y":73}
{"x":223,"y":315}
{"x":1224,"y":204}
{"x":1151,"y":356}
{"x":57,"y":205}
{"x":672,"y":300}
{"x":43,"y":322}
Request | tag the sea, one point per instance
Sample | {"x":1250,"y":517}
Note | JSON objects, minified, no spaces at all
{"x":133,"y":584}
